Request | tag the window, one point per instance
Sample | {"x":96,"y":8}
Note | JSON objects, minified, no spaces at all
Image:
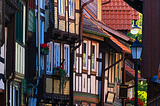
{"x":112,"y":70}
{"x":71,"y":8}
{"x":94,"y":56}
{"x":61,"y":7}
{"x":56,"y":54}
{"x":19,"y":23}
{"x":85,"y":54}
{"x":49,"y":59}
{"x":66,"y":57}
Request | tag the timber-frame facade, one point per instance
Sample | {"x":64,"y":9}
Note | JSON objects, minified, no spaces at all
{"x":61,"y":33}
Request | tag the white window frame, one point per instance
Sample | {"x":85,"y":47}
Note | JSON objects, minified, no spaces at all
{"x":49,"y":59}
{"x":71,"y":8}
{"x":67,"y":62}
{"x":61,"y":7}
{"x":56,"y":59}
{"x":86,"y":54}
{"x":94,"y":44}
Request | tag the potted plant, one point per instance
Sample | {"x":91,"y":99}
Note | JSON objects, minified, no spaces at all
{"x":130,"y":102}
{"x":62,"y":74}
{"x":44,"y":48}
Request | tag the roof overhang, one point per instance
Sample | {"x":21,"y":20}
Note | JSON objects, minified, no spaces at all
{"x":136,"y":4}
{"x":113,"y":45}
{"x":11,"y":7}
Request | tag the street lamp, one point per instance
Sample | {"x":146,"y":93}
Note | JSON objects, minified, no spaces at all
{"x":135,"y":28}
{"x":136,"y":50}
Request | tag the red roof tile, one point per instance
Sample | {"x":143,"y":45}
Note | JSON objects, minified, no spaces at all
{"x":118,"y":15}
{"x":132,"y":71}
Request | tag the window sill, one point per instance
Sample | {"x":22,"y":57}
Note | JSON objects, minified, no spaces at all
{"x":49,"y":73}
{"x":74,"y":69}
{"x":93,"y":72}
{"x":61,"y":14}
{"x":85,"y":71}
{"x":71,"y":17}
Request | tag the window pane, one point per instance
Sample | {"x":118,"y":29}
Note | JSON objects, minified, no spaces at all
{"x":84,"y":55}
{"x":93,"y":56}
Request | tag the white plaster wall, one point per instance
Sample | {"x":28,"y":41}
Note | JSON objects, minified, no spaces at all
{"x":76,"y":83}
{"x":79,"y":84}
{"x":77,"y":50}
{"x":84,"y":83}
{"x":97,"y":87}
{"x":80,"y":64}
{"x":89,"y":85}
{"x":1,"y":64}
{"x":97,"y":55}
{"x":89,"y":54}
{"x":106,"y":74}
{"x":80,"y":67}
{"x":105,"y":88}
{"x":93,"y":84}
{"x":2,"y":67}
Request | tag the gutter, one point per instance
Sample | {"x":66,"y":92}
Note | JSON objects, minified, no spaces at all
{"x":95,"y":33}
{"x":75,"y":47}
{"x":103,"y":76}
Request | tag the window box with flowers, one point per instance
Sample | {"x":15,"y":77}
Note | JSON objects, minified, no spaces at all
{"x":130,"y":102}
{"x":62,"y":74}
{"x":44,"y":48}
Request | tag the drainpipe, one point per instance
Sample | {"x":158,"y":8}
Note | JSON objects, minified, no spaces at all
{"x":75,"y":47}
{"x":39,"y":72}
{"x":103,"y":76}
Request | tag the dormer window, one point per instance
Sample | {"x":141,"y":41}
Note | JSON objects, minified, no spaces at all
{"x":71,"y":8}
{"x":61,"y":7}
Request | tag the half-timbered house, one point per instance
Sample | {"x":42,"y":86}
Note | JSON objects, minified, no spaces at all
{"x":86,"y":68}
{"x":96,"y":35}
{"x":113,"y":58}
{"x":61,"y":33}
{"x":9,"y":10}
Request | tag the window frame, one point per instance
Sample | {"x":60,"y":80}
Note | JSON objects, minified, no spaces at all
{"x":58,"y":52}
{"x":71,"y":9}
{"x":68,"y":58}
{"x":94,"y":44}
{"x":49,"y":59}
{"x":86,"y":54}
{"x":61,"y":7}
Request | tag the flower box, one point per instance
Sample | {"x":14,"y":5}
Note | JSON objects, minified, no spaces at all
{"x":129,"y":104}
{"x":44,"y":51}
{"x":44,"y":48}
{"x":61,"y":73}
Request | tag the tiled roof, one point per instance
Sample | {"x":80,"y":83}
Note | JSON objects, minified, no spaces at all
{"x":90,"y":26}
{"x":118,"y":14}
{"x":107,"y":28}
{"x":124,"y":48}
{"x":132,"y":71}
